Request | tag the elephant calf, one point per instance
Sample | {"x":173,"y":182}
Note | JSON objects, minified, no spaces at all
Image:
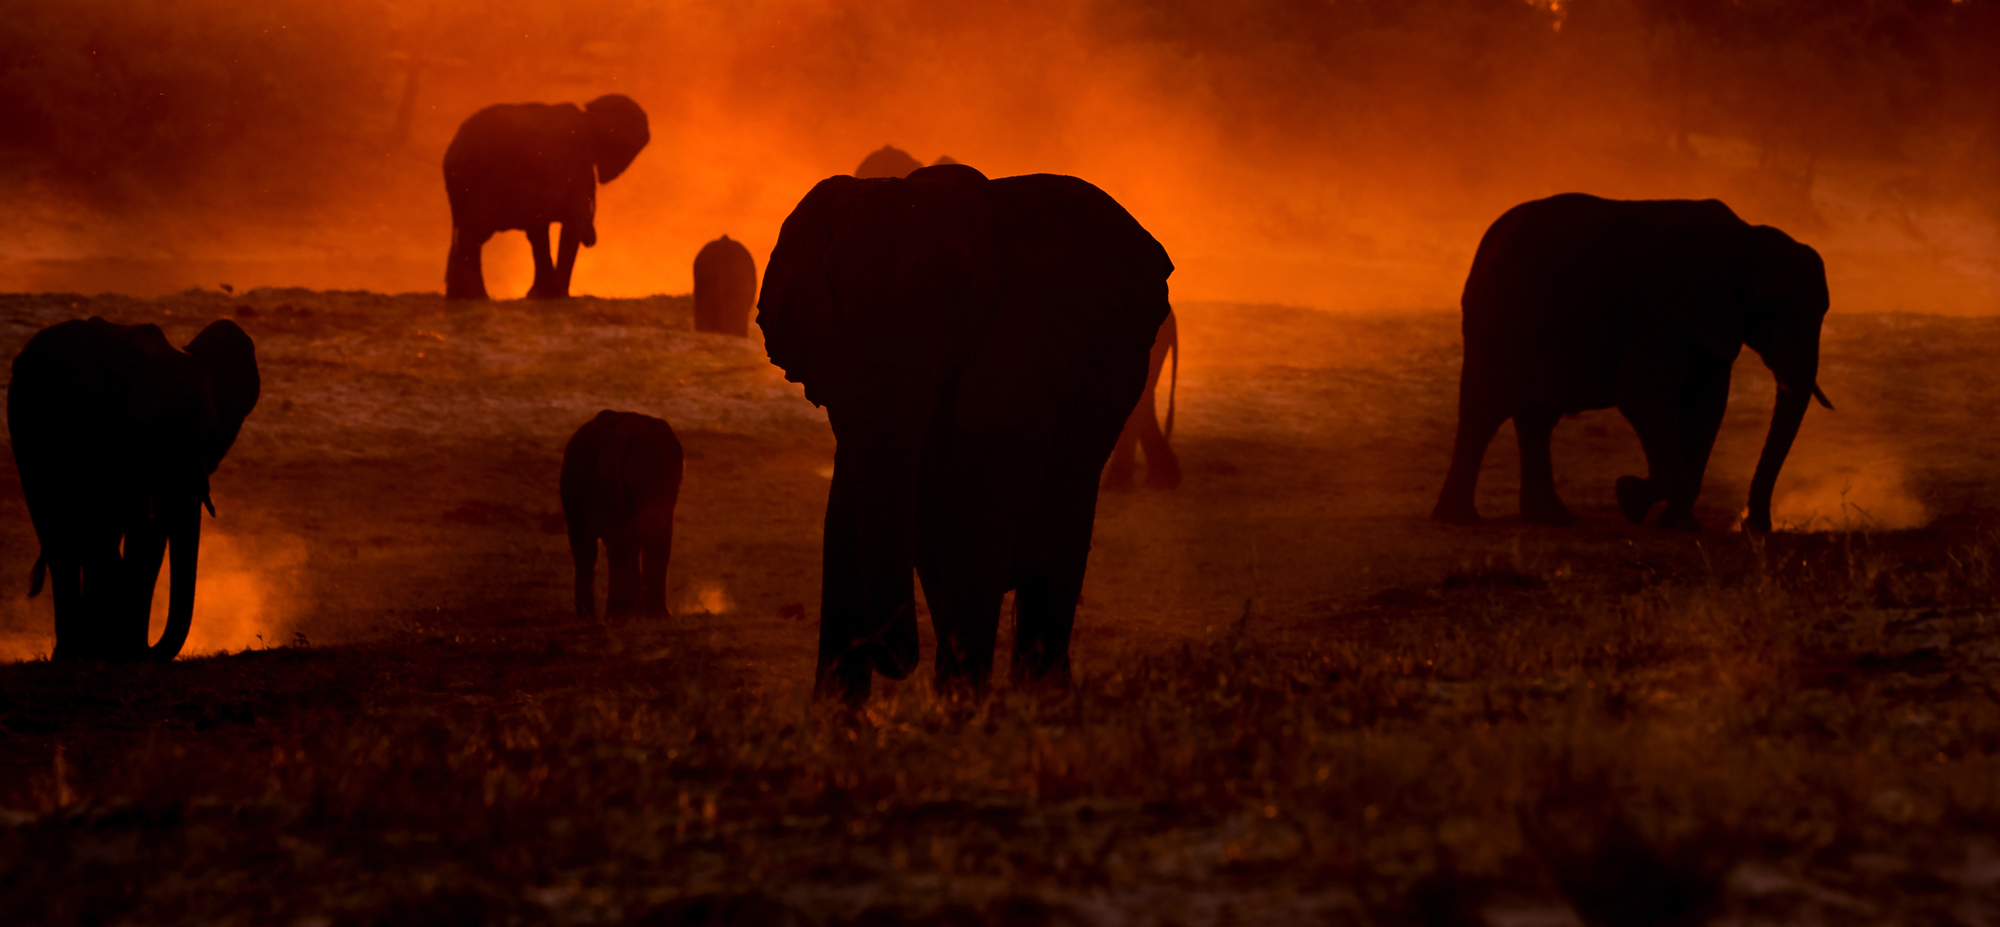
{"x":528,"y":166}
{"x":725,"y":287}
{"x":1576,"y":302}
{"x":621,"y":475}
{"x":115,"y":434}
{"x":1142,"y":428}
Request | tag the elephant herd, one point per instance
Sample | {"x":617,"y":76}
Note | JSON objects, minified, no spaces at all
{"x":986,"y":349}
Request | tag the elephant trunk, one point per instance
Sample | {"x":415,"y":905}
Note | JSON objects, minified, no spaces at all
{"x":183,"y":530}
{"x":1789,"y":411}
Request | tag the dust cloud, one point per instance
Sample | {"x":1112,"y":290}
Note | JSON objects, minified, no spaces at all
{"x":247,"y":596}
{"x":1338,"y":155}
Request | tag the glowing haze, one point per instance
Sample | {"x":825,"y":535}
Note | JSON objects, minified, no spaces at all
{"x":1341,"y":155}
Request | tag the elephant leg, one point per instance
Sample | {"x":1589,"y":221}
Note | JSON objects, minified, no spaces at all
{"x":621,"y":548}
{"x":1124,"y":456}
{"x":1704,"y":400}
{"x":969,"y":502}
{"x":104,"y":604}
{"x":72,"y":611}
{"x":1476,"y":427}
{"x":1051,"y":585}
{"x":1163,"y":468}
{"x":657,"y":548}
{"x":1659,"y":429}
{"x":583,"y":551}
{"x":464,"y":278}
{"x":544,"y":286}
{"x":1539,"y":503}
{"x":565,"y":260}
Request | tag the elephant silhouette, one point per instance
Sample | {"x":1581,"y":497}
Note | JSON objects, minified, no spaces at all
{"x":621,"y":476}
{"x":1143,"y":429}
{"x":1576,"y":302}
{"x":978,"y":345}
{"x":527,"y":166}
{"x":725,"y":288}
{"x":115,"y":435}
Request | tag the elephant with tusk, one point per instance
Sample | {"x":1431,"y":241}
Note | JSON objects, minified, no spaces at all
{"x":528,"y":166}
{"x":115,"y":434}
{"x":1576,"y":302}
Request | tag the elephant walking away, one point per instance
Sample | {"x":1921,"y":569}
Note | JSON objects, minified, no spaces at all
{"x":887,"y":161}
{"x":621,"y":475}
{"x":115,"y":435}
{"x":725,"y":287}
{"x":978,"y":345}
{"x":527,"y":166}
{"x":1576,"y":302}
{"x":1142,"y":428}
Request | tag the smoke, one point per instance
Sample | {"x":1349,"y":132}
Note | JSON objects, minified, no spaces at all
{"x":1341,"y":155}
{"x":245,"y":593}
{"x":246,"y":596}
{"x":1871,"y":496}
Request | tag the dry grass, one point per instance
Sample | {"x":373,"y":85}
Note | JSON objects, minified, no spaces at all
{"x":1328,"y":712}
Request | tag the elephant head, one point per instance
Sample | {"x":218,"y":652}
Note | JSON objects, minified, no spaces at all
{"x":618,"y":132}
{"x":1785,"y":300}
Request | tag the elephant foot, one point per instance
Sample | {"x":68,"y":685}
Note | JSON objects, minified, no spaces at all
{"x":1635,"y":498}
{"x":1455,"y":513}
{"x":546,"y":294}
{"x":894,"y":652}
{"x":1552,"y":513}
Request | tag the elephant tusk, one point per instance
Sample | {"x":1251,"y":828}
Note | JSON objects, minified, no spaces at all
{"x":1822,"y":398}
{"x":209,"y":504}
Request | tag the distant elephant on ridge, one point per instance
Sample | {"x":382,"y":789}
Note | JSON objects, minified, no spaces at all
{"x":621,"y":476}
{"x":1163,"y":468}
{"x":978,"y":345}
{"x":529,"y":165}
{"x":725,"y":287}
{"x":1576,"y":302}
{"x":115,"y":434}
{"x":887,"y":161}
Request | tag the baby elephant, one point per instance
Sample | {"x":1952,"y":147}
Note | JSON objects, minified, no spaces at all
{"x":621,"y":474}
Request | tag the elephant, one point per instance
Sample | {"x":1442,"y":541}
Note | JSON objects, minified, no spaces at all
{"x":978,"y":345}
{"x":1576,"y":302}
{"x":115,"y":435}
{"x":725,"y":287}
{"x":525,"y":166}
{"x":1163,"y":468}
{"x":888,"y":161}
{"x":621,"y":475}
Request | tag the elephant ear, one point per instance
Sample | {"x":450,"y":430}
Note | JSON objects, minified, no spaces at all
{"x":1691,"y":258}
{"x":618,"y":131}
{"x":1081,"y":296}
{"x":229,"y":358}
{"x":795,"y":308}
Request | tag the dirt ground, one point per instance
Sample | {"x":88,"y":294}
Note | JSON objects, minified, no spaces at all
{"x":1299,"y":700}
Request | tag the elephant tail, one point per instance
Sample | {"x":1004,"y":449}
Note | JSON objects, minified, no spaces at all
{"x":1174,"y":379}
{"x":37,"y":574}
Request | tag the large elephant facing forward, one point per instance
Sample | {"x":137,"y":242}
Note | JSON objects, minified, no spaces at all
{"x":977,"y":345}
{"x":527,"y":166}
{"x":1576,"y":302}
{"x":115,"y":434}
